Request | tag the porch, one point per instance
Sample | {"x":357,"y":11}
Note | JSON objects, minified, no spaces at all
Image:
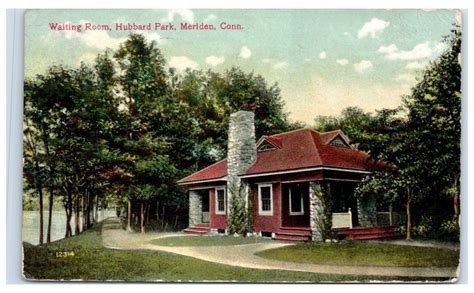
{"x":352,"y":217}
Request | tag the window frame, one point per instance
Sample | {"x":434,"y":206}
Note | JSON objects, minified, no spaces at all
{"x":292,"y":213}
{"x":216,"y":208}
{"x":261,"y":212}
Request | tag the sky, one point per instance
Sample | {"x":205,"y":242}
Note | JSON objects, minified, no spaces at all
{"x":322,"y":60}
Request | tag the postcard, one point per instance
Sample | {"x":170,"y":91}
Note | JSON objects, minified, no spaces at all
{"x":226,"y":145}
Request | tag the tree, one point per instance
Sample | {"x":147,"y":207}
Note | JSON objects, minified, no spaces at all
{"x":424,"y":147}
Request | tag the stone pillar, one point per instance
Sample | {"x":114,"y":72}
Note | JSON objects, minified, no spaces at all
{"x":315,"y":211}
{"x":195,"y":208}
{"x":367,"y":211}
{"x":241,"y":150}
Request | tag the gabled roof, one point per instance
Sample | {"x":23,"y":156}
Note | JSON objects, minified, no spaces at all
{"x":328,"y":137}
{"x":298,"y":149}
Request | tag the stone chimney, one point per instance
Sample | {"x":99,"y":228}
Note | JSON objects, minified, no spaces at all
{"x":241,"y":150}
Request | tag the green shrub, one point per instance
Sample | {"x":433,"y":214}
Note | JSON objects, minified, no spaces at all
{"x":449,"y":230}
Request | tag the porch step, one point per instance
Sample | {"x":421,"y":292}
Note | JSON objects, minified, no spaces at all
{"x":293,"y":234}
{"x":367,"y":233}
{"x":198,"y":229}
{"x":299,"y":229}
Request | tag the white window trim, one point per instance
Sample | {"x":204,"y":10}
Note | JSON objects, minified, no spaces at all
{"x":216,"y":208}
{"x":260,"y":211}
{"x":302,"y":207}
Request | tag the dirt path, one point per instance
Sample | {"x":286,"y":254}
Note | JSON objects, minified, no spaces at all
{"x":244,"y":256}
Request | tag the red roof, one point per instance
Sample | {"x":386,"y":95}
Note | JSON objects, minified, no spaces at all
{"x":212,"y":172}
{"x":298,"y":149}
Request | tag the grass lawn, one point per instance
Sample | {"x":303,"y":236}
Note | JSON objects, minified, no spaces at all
{"x":217,"y":240}
{"x":84,"y":257}
{"x":361,"y":253}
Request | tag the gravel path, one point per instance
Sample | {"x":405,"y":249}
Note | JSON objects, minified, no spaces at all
{"x":244,"y":256}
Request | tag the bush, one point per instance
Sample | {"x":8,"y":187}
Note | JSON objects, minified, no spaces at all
{"x":450,"y":230}
{"x":424,"y":227}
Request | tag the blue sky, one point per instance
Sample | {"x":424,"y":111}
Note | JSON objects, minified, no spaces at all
{"x":323,"y":60}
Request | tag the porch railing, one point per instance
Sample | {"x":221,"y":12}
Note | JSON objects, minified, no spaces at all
{"x":390,"y":218}
{"x":342,"y":220}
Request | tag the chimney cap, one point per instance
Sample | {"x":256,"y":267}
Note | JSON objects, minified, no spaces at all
{"x":242,"y":113}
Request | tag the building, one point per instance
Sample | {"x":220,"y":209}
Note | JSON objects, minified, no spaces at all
{"x":279,"y":178}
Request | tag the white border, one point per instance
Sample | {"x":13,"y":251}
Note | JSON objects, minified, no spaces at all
{"x":9,"y":257}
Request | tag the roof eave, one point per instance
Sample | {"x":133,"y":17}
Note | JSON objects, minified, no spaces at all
{"x":306,"y":170}
{"x":202,"y":181}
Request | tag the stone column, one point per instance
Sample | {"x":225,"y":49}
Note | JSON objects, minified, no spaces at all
{"x":367,"y":211}
{"x":241,"y":154}
{"x":315,"y":211}
{"x":195,"y":208}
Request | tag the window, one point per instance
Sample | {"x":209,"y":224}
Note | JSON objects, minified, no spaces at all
{"x":296,"y":201}
{"x":265,"y":200}
{"x":265,"y":146}
{"x":338,"y":142}
{"x":220,"y":201}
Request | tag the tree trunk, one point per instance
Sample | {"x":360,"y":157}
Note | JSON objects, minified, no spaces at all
{"x":89,"y":208}
{"x":142,"y":217}
{"x":129,"y":217}
{"x":50,"y":215}
{"x":456,"y":208}
{"x":68,"y":208}
{"x":77,"y":215}
{"x":176,"y":219}
{"x":147,"y":213}
{"x":41,"y":216}
{"x":409,"y":221}
{"x":163,"y":217}
{"x":456,"y":199}
{"x":51,"y":175}
{"x":96,"y":211}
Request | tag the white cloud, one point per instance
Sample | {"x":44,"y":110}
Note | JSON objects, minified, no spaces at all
{"x":185,"y":14}
{"x":420,"y":51}
{"x":416,"y":65}
{"x":151,"y":36}
{"x":210,"y":17}
{"x":406,"y":77}
{"x":342,"y":62}
{"x":322,"y":55}
{"x":275,"y":64}
{"x":346,"y":33}
{"x":390,"y":49}
{"x":214,"y":60}
{"x":245,"y":52}
{"x":373,"y":28}
{"x":280,"y":65}
{"x":182,"y":62}
{"x":363,"y":66}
